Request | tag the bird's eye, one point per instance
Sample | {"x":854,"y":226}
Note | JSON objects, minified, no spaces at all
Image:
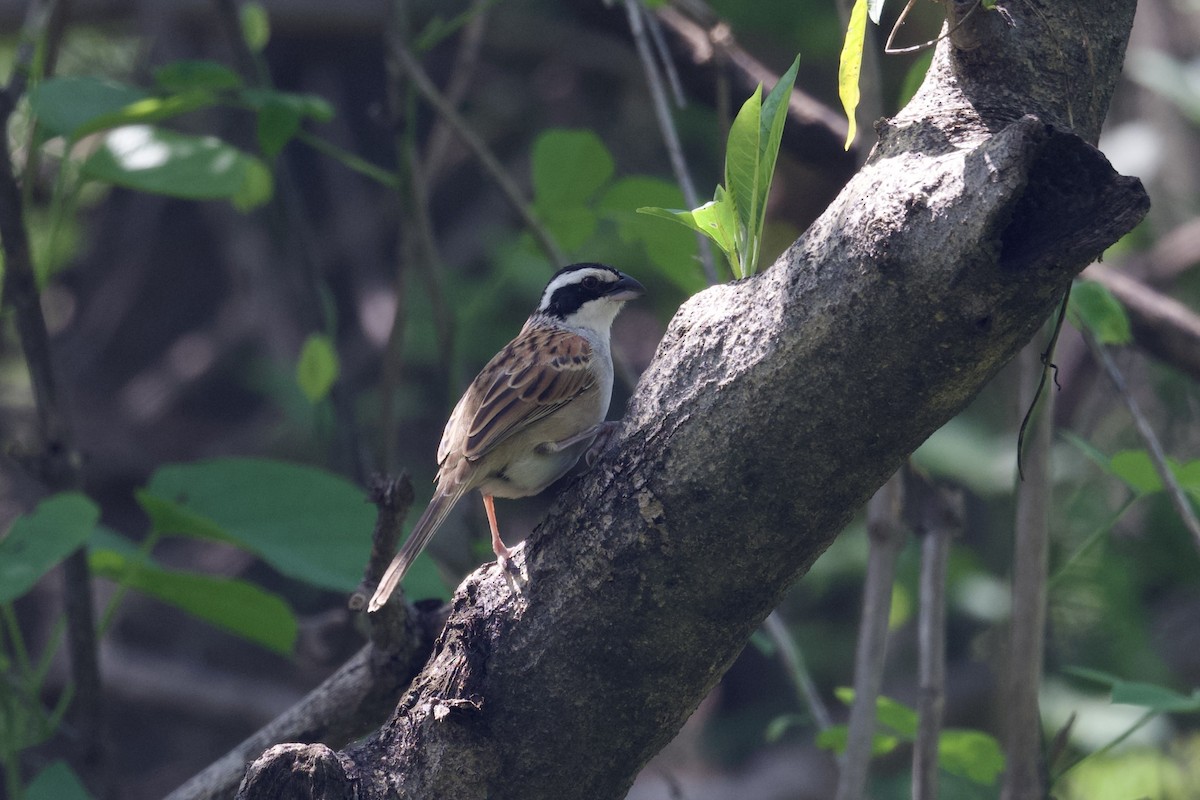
{"x":591,"y":282}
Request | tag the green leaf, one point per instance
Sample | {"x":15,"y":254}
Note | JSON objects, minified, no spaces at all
{"x":277,"y":124}
{"x":834,"y":739}
{"x":39,"y":540}
{"x":897,"y":716}
{"x":56,"y":781}
{"x":256,"y":26}
{"x":192,"y":75}
{"x":569,"y":168}
{"x":892,"y":713}
{"x":1094,"y":308}
{"x":150,"y":110}
{"x":780,"y":725}
{"x":850,"y":65}
{"x":715,"y":219}
{"x":971,"y":754}
{"x":230,"y":604}
{"x":774,"y":115}
{"x":742,"y":154}
{"x":169,"y":517}
{"x":257,"y":186}
{"x":914,"y":77}
{"x":1136,"y":693}
{"x":1158,"y":698}
{"x":1188,"y":476}
{"x":302,"y":104}
{"x":65,"y":105}
{"x":1137,"y":470}
{"x":154,"y":160}
{"x":318,"y":367}
{"x":308,"y":524}
{"x":671,"y":248}
{"x":75,"y":107}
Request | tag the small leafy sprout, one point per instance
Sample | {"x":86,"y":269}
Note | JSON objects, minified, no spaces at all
{"x":734,"y":218}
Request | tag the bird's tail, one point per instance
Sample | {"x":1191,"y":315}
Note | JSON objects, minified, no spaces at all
{"x":422,"y":532}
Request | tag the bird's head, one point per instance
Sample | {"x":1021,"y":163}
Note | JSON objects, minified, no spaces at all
{"x":588,"y":296}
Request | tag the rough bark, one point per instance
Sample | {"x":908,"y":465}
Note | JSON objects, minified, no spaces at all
{"x":773,"y":409}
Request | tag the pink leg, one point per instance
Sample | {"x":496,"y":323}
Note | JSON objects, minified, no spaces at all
{"x":498,"y":547}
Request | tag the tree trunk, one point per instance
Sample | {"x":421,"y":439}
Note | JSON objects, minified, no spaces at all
{"x":774,"y":408}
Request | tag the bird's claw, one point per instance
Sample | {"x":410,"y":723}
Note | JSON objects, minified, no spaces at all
{"x":605,"y":438}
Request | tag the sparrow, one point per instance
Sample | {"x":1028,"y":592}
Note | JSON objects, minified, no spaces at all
{"x":531,"y":412}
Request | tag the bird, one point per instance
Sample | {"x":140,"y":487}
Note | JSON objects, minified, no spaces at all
{"x":532,"y":411}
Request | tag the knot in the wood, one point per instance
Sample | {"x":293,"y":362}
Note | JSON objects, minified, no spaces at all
{"x":297,"y":772}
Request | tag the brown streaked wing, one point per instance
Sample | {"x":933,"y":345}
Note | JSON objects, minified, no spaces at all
{"x":538,"y":372}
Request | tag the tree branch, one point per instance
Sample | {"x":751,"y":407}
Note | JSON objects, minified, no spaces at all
{"x":1162,"y":326}
{"x":774,"y":408}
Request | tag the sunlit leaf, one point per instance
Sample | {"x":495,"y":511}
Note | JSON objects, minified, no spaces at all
{"x":715,"y":219}
{"x":742,"y":155}
{"x":39,"y":540}
{"x":850,"y":66}
{"x":971,"y":754}
{"x":671,"y":248}
{"x":898,"y":717}
{"x":256,"y":26}
{"x":901,"y":719}
{"x":65,"y":105}
{"x":164,"y":162}
{"x":257,"y":186}
{"x":875,"y":9}
{"x":835,"y":737}
{"x":773,"y":116}
{"x":317,"y":368}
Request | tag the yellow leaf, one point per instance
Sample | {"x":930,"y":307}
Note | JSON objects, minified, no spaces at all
{"x":851,"y":65}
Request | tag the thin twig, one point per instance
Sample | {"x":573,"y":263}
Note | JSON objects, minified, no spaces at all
{"x":666,"y":126}
{"x":407,"y":62}
{"x":57,"y":464}
{"x":299,"y":239}
{"x":1048,"y":368}
{"x":1162,"y":326}
{"x":462,"y":75}
{"x":793,"y":659}
{"x":1158,"y":457}
{"x":1024,"y":774}
{"x":894,"y":51}
{"x":936,"y":514}
{"x":886,"y":536}
{"x":364,"y":690}
{"x":417,"y":242}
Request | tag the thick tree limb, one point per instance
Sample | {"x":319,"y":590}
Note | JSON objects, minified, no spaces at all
{"x":774,"y":408}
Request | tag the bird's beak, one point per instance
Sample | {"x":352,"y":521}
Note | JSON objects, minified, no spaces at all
{"x":626,"y":289}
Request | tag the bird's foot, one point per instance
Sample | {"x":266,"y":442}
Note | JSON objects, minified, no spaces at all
{"x":513,"y":572}
{"x":606,"y":436}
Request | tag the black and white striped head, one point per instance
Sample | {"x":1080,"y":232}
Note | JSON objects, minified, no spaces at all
{"x":587,"y":296}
